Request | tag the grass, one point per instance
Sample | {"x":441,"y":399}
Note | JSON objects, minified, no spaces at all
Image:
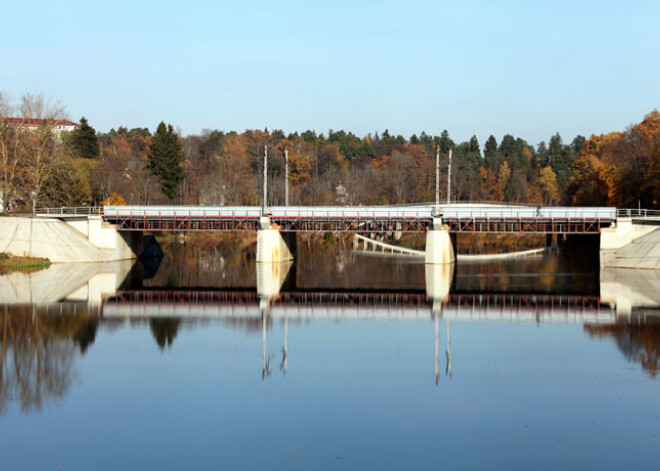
{"x":11,"y":263}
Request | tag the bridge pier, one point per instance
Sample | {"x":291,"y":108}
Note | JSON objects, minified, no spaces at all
{"x":273,"y":246}
{"x":440,"y":244}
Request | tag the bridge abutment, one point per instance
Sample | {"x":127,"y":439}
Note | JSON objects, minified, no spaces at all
{"x":440,"y":244}
{"x":629,"y":245}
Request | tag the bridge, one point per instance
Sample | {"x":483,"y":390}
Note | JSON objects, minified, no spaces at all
{"x":363,"y":219}
{"x":606,"y":229}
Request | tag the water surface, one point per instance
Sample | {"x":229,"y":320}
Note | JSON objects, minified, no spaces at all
{"x":357,"y":363}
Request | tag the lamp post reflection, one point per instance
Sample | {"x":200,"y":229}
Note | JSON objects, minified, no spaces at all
{"x":438,"y":283}
{"x":285,"y":349}
{"x":448,"y":367}
{"x":270,"y":277}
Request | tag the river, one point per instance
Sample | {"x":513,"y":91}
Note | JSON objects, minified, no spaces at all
{"x":341,"y":361}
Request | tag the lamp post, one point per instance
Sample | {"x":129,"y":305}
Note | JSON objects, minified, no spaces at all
{"x":449,"y":179}
{"x":265,"y":177}
{"x":437,"y":176}
{"x":286,"y":176}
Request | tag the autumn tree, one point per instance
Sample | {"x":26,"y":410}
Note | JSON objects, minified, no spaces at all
{"x":548,"y":183}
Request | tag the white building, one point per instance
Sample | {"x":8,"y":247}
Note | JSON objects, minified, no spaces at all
{"x":59,"y":125}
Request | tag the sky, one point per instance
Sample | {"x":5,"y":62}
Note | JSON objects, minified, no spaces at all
{"x":472,"y":67}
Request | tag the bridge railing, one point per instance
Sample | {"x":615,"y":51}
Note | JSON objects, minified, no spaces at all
{"x":529,"y":212}
{"x":638,"y":213}
{"x":182,"y":212}
{"x":351,"y":212}
{"x":69,"y":211}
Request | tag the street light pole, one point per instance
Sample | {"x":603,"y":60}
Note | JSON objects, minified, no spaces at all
{"x":437,"y":176}
{"x":449,"y":180}
{"x":286,"y":176}
{"x":265,"y":177}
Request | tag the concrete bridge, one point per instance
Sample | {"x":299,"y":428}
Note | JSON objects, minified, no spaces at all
{"x":118,"y":229}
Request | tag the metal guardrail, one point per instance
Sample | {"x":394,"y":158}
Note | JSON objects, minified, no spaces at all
{"x":419,"y":210}
{"x":638,"y":213}
{"x":528,"y":212}
{"x":358,"y":212}
{"x":69,"y":211}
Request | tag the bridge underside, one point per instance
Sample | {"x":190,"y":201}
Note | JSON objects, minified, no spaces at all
{"x":527,"y":225}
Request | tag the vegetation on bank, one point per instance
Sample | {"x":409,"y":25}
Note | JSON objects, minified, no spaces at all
{"x":46,"y":167}
{"x":11,"y":263}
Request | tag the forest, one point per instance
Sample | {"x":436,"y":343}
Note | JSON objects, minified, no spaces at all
{"x":42,"y":167}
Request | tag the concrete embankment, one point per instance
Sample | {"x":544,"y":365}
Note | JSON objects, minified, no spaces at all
{"x":630,"y":246}
{"x":86,"y":239}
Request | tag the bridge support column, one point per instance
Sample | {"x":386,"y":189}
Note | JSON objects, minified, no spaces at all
{"x":271,"y":246}
{"x":440,"y":244}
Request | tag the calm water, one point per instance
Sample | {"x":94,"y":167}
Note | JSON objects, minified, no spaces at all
{"x":358,"y":363}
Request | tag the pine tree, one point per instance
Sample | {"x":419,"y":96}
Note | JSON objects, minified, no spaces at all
{"x":445,"y":142}
{"x":165,"y":158}
{"x":491,"y":154}
{"x":83,"y":141}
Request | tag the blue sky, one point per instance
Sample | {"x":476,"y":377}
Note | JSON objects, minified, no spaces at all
{"x":472,"y":67}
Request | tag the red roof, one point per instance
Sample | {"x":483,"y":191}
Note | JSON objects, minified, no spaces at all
{"x":37,"y":122}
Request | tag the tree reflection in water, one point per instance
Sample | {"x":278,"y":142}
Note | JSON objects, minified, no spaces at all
{"x":639,"y":342}
{"x":38,"y":351}
{"x":164,"y":330}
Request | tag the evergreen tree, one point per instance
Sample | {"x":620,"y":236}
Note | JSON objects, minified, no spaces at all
{"x":445,"y":142}
{"x":165,"y":158}
{"x":578,"y":144}
{"x":561,"y":160}
{"x":83,"y":141}
{"x":490,"y":153}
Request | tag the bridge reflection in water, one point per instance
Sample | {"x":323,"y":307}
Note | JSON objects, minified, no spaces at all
{"x":107,"y":294}
{"x":268,"y":302}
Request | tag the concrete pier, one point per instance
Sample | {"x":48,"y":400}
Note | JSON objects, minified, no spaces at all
{"x":440,"y":244}
{"x":271,"y":246}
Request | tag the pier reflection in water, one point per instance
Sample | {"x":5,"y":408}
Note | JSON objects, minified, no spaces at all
{"x":363,"y":337}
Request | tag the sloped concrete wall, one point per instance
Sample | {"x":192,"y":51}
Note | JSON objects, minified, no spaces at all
{"x":630,"y":246}
{"x":61,"y":242}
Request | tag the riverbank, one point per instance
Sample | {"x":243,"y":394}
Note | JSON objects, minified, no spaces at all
{"x":11,"y":263}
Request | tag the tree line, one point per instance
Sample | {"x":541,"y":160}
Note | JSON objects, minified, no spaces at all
{"x":136,"y":166}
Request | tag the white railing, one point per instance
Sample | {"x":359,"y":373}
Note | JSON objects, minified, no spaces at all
{"x":638,"y":213}
{"x":69,"y":211}
{"x":353,"y":212}
{"x":528,"y":212}
{"x":182,"y":212}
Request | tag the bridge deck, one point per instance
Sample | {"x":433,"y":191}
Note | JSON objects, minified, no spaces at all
{"x":513,"y":219}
